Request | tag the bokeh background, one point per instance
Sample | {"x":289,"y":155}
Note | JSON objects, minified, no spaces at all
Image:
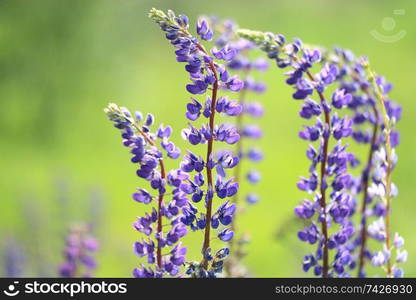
{"x":61,"y":161}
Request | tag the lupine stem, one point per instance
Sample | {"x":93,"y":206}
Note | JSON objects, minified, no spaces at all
{"x":209,"y":154}
{"x":159,"y":218}
{"x":325,"y":258}
{"x":387,"y":129}
{"x":207,"y":233}
{"x":325,"y":266}
{"x":160,"y":198}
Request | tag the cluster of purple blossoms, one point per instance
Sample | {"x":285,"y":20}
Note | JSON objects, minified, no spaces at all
{"x":206,"y":73}
{"x":373,"y":116}
{"x":363,"y":112}
{"x":368,"y":130}
{"x":242,"y":63}
{"x":80,"y":247}
{"x":143,"y":145}
{"x":226,"y":36}
{"x":329,"y":181}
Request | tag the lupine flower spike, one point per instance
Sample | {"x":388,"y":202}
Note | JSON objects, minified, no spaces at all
{"x":80,"y":247}
{"x":329,"y":167}
{"x":384,"y":190}
{"x":367,"y":129}
{"x":365,"y":116}
{"x":158,"y":236}
{"x":226,"y":36}
{"x":206,"y":74}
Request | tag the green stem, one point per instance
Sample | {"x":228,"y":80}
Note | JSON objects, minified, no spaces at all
{"x":389,"y":150}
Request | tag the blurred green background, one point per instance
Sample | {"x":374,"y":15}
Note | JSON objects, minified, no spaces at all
{"x":61,"y":161}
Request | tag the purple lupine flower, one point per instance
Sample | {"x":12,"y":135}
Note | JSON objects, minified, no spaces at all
{"x":227,"y":39}
{"x":225,"y":213}
{"x":80,"y":247}
{"x":252,"y":132}
{"x":144,"y":146}
{"x":340,"y":99}
{"x":368,"y":129}
{"x":226,"y":235}
{"x":206,"y":73}
{"x":253,"y":177}
{"x":335,"y":208}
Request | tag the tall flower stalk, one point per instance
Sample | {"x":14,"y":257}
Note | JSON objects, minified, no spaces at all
{"x":205,"y":74}
{"x":147,"y":153}
{"x":367,"y":108}
{"x":366,"y":122}
{"x":226,"y":36}
{"x":368,"y":129}
{"x":333,"y":163}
